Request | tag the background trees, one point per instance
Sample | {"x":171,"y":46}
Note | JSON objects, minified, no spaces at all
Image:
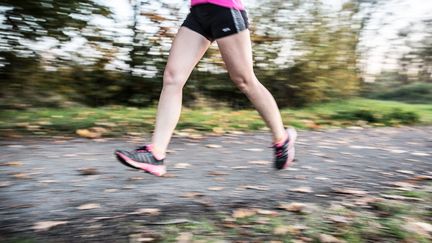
{"x":58,"y":53}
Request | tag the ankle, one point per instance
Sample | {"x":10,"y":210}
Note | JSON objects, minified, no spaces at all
{"x":280,"y":140}
{"x":156,"y":152}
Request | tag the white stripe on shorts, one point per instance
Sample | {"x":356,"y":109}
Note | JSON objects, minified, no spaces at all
{"x":238,"y":19}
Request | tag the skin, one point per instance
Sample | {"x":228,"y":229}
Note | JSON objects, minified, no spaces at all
{"x":236,"y":52}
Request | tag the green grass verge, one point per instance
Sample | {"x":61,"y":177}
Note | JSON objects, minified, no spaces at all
{"x":122,"y":120}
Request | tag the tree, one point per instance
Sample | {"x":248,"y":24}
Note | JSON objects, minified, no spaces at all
{"x":28,"y":22}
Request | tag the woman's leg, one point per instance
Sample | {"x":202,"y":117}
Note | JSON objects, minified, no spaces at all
{"x":236,"y":52}
{"x":187,"y":49}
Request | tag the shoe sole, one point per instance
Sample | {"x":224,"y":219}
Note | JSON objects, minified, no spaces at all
{"x":292,"y":133}
{"x":157,"y":170}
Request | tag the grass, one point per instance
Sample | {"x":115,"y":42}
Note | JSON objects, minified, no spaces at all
{"x":365,"y":224}
{"x":123,"y":120}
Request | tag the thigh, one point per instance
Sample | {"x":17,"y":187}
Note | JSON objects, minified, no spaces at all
{"x":236,"y":52}
{"x":187,"y":49}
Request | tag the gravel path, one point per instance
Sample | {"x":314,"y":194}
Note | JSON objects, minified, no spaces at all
{"x":43,"y":179}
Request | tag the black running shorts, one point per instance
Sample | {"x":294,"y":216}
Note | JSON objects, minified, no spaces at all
{"x":213,"y":21}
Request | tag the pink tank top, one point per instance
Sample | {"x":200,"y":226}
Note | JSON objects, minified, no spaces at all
{"x":236,"y":4}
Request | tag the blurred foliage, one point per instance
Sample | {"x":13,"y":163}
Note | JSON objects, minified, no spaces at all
{"x":420,"y":93}
{"x":396,"y":116}
{"x":304,"y":52}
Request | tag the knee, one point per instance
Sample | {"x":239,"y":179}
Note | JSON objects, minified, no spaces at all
{"x":172,"y":79}
{"x":244,"y":82}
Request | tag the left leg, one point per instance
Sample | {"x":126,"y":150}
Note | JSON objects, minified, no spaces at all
{"x":236,"y":52}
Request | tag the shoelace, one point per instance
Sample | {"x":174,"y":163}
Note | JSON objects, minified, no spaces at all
{"x":142,"y":149}
{"x":278,"y":150}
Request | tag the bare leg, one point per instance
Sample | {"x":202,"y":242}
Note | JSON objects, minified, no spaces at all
{"x":187,"y":49}
{"x":236,"y":52}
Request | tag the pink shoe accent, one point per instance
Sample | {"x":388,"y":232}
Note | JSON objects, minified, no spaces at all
{"x":282,"y":142}
{"x":292,"y":134}
{"x":158,"y":170}
{"x":150,"y":148}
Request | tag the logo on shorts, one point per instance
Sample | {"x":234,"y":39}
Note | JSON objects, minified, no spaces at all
{"x":226,"y":29}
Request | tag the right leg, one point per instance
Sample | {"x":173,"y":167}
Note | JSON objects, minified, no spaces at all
{"x":187,"y":49}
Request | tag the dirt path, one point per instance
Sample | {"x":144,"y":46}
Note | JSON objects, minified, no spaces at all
{"x":40,"y":179}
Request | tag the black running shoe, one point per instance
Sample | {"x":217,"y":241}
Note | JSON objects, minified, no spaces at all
{"x":142,"y":159}
{"x":285,"y":152}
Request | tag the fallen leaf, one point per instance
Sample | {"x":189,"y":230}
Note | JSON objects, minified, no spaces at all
{"x":339,"y":219}
{"x":5,"y":183}
{"x":138,"y":238}
{"x":302,"y":189}
{"x":421,"y":178}
{"x":408,"y":172}
{"x":181,"y":165}
{"x":260,"y":162}
{"x":192,"y":195}
{"x":418,"y":227}
{"x":169,"y":175}
{"x":218,"y":130}
{"x":46,"y":225}
{"x":12,"y":163}
{"x":292,"y":207}
{"x":240,"y":167}
{"x":324,"y":238}
{"x":215,"y":188}
{"x":397,"y":151}
{"x":258,"y":188}
{"x":148,"y":211}
{"x":22,"y":176}
{"x":89,"y":206}
{"x":401,"y":198}
{"x":281,"y":230}
{"x":184,"y":237}
{"x":86,"y":133}
{"x":168,"y":222}
{"x":217,"y":173}
{"x":100,"y":130}
{"x":243,"y":213}
{"x":405,"y":186}
{"x":420,"y":154}
{"x":267,"y":212}
{"x":350,"y":191}
{"x":364,"y":201}
{"x":254,"y":150}
{"x":213,"y":146}
{"x":110,"y":190}
{"x":291,"y":229}
{"x":88,"y":171}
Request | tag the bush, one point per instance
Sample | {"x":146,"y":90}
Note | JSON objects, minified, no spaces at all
{"x":411,"y":93}
{"x":396,"y":116}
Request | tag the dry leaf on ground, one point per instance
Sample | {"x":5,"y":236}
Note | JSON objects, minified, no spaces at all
{"x":12,"y":163}
{"x":258,"y":188}
{"x":215,"y":188}
{"x":324,"y":238}
{"x":302,"y":189}
{"x":88,"y":206}
{"x":182,"y":165}
{"x":46,"y":225}
{"x":350,"y":191}
{"x":88,"y":171}
{"x":260,"y":162}
{"x":243,"y":213}
{"x":213,"y":146}
{"x":292,"y":207}
{"x":148,"y":211}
